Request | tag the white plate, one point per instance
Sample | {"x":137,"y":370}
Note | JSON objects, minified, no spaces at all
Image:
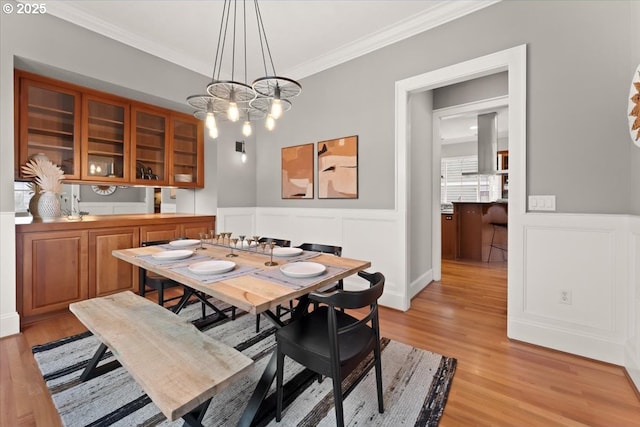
{"x":212,"y":267}
{"x":303,"y":269}
{"x":172,"y":255}
{"x":286,"y":251}
{"x":184,"y":243}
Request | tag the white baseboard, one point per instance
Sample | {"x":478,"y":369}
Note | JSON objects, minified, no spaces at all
{"x":9,"y":324}
{"x":420,"y":283}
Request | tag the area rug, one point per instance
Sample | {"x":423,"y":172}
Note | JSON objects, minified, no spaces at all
{"x":416,"y":384}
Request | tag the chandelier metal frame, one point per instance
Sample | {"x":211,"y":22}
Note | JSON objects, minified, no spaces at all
{"x":251,"y":102}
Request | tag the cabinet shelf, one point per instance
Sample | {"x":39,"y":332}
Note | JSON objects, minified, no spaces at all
{"x":185,"y":165}
{"x":189,"y":153}
{"x":95,"y":119}
{"x":44,"y":109}
{"x":104,"y":153}
{"x":150,"y":147}
{"x":51,"y":147}
{"x":52,"y":132}
{"x":146,"y":161}
{"x":107,"y":140}
{"x":154,"y":131}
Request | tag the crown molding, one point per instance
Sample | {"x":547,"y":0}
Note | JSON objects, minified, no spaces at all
{"x":67,"y":12}
{"x":440,"y":13}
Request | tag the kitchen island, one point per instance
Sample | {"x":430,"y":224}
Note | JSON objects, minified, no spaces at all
{"x":61,"y":262}
{"x":474,"y":230}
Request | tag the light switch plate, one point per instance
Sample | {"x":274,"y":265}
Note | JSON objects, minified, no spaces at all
{"x":542,"y":203}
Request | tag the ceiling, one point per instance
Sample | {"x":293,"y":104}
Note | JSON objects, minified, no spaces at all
{"x":305,"y":37}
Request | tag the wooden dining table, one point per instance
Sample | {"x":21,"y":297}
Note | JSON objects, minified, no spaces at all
{"x":252,"y":286}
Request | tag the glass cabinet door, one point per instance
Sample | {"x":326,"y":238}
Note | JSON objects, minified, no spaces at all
{"x":105,"y":140}
{"x":49,"y":125}
{"x":187,"y":161}
{"x":149,"y":147}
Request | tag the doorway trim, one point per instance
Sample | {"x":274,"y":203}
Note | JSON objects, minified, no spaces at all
{"x":513,"y":61}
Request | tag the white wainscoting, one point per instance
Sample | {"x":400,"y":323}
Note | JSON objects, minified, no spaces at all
{"x":106,"y":208}
{"x":363,"y":234}
{"x":632,"y":348}
{"x":9,"y":318}
{"x":586,"y":255}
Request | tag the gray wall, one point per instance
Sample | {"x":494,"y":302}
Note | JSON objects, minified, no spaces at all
{"x":487,"y":87}
{"x":578,"y":85}
{"x":420,"y":194}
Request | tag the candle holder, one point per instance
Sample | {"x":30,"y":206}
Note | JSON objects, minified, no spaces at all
{"x":235,"y":242}
{"x":271,"y":262}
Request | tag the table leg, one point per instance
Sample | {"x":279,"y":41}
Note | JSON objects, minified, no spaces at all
{"x":259,"y":396}
{"x":93,"y":370}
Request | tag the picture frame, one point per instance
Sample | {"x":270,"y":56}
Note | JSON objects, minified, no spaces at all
{"x":297,"y":172}
{"x":338,"y":168}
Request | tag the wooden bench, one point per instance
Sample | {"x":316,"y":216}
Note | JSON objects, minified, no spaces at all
{"x":179,"y":367}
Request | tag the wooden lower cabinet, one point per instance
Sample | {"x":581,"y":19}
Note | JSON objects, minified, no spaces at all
{"x":54,"y":271}
{"x":108,"y":274}
{"x":63,"y":262}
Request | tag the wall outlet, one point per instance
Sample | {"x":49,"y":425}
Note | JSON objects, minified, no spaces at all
{"x":565,"y":297}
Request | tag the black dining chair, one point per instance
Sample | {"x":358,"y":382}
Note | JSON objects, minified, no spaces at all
{"x":148,"y":279}
{"x":333,"y":343}
{"x":283,"y":243}
{"x":326,"y":249}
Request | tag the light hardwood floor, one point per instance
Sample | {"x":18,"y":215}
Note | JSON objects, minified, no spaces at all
{"x":498,"y":382}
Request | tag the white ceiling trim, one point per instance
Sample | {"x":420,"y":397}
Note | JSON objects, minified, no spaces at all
{"x":71,"y":14}
{"x":430,"y":18}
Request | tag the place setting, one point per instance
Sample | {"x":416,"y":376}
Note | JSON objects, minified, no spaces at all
{"x":213,"y":270}
{"x":298,"y":274}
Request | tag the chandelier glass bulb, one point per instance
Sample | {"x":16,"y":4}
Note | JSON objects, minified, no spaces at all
{"x":276,"y":108}
{"x":246,"y":128}
{"x":270,"y":123}
{"x":244,"y":157}
{"x":210,"y":123}
{"x":233,"y":113}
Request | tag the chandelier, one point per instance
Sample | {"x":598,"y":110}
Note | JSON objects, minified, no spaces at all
{"x":266,"y":97}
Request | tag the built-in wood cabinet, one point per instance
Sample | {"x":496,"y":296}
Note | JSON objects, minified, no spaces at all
{"x":150,"y":142}
{"x":187,"y":156}
{"x":105,"y":141}
{"x":101,"y":138}
{"x":53,"y":270}
{"x":47,"y":120}
{"x":108,"y":274}
{"x":61,"y":262}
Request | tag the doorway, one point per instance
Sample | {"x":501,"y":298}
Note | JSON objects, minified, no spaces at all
{"x":514,"y":62}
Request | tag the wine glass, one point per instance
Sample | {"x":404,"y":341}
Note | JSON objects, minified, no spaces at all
{"x":271,"y":262}
{"x":249,"y":242}
{"x":263,"y":245}
{"x":232,"y":242}
{"x":257,"y":240}
{"x":241,"y":238}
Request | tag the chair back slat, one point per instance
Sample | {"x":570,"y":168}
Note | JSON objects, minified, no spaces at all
{"x":319,"y":247}
{"x":283,"y":243}
{"x":353,"y":299}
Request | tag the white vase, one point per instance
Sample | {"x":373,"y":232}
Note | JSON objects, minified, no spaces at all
{"x":49,"y":207}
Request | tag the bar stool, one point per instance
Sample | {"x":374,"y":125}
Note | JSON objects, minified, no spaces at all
{"x":499,"y":246}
